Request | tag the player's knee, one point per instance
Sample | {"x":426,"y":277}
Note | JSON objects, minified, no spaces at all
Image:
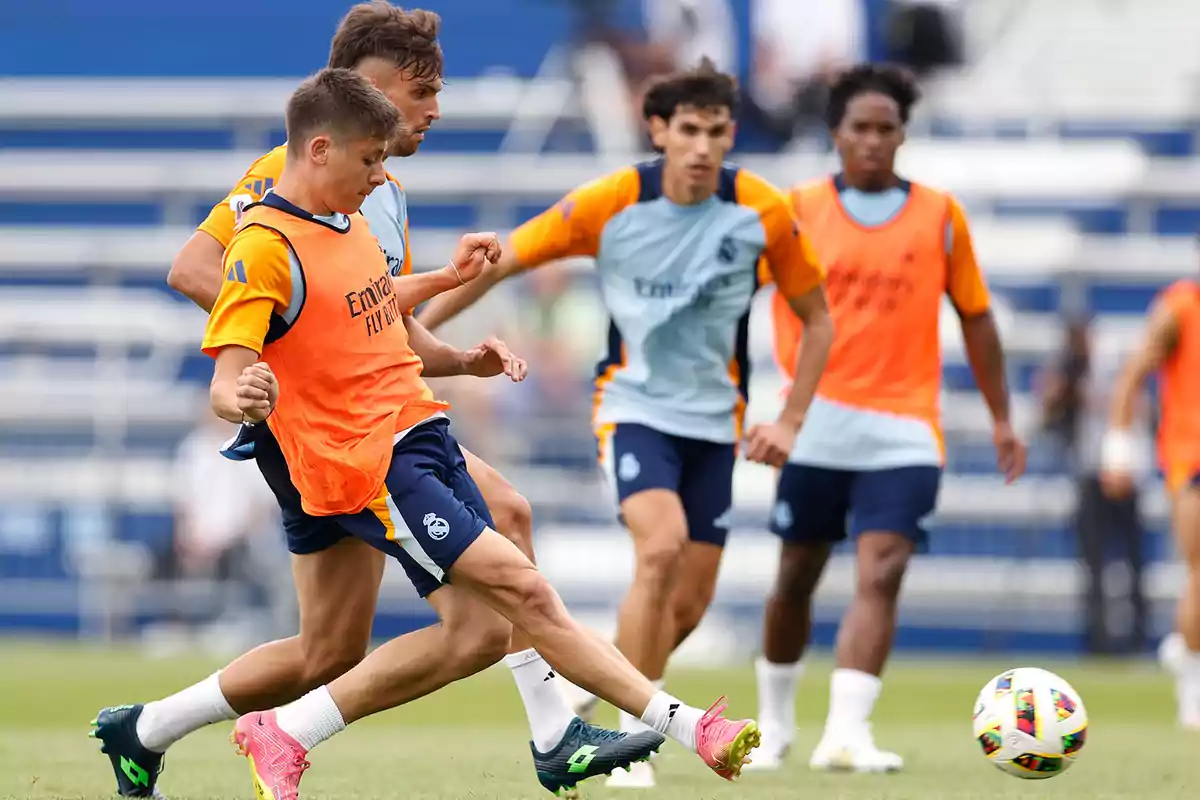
{"x":513,"y":517}
{"x":658,"y":558}
{"x":881,"y":574}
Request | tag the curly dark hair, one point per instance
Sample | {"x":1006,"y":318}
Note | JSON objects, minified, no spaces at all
{"x":896,"y":82}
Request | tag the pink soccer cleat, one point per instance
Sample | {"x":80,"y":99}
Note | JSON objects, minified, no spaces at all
{"x":277,"y":761}
{"x":724,"y":744}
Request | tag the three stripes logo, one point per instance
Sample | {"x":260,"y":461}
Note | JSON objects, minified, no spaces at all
{"x":671,"y":709}
{"x":237,"y":272}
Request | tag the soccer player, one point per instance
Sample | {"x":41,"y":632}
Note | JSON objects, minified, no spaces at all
{"x":869,"y":459}
{"x":308,"y":339}
{"x":1170,"y":346}
{"x":337,"y":576}
{"x":676,"y":242}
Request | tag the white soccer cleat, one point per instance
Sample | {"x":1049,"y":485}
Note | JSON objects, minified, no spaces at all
{"x":853,"y":754}
{"x":769,"y":755}
{"x":639,"y":776}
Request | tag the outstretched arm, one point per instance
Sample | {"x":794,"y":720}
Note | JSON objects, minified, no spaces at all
{"x":572,"y":227}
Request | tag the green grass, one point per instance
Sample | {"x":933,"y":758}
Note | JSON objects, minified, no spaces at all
{"x":470,"y":740}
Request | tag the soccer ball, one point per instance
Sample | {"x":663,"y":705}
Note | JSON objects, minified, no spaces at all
{"x":1030,"y":723}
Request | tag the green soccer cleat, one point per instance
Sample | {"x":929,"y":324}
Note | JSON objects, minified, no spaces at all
{"x":587,"y":751}
{"x":137,"y":769}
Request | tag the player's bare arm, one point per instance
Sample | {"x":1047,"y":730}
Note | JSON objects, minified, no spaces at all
{"x":1118,"y":450}
{"x":772,"y":443}
{"x":985,"y":354}
{"x":243,"y":389}
{"x":486,"y":360}
{"x":447,"y":306}
{"x":196,"y":271}
{"x":473,"y":253}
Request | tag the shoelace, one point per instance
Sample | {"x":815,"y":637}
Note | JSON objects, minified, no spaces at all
{"x":601,"y":734}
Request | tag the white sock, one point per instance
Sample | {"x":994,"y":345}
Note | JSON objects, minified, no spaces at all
{"x":631,"y":724}
{"x":777,"y":696}
{"x":852,"y":696}
{"x":667,"y":714}
{"x":164,"y":722}
{"x":545,"y":706}
{"x":312,"y":719}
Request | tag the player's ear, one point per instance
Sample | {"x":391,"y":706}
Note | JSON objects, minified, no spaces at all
{"x":318,"y":149}
{"x":658,"y":132}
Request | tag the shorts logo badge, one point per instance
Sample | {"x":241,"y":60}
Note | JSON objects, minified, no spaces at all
{"x":782,"y":515}
{"x":628,"y":467}
{"x":436,"y":527}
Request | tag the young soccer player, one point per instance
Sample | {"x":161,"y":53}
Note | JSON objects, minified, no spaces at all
{"x":871,"y":452}
{"x":331,"y":373}
{"x":1170,"y":346}
{"x":338,"y":576}
{"x":677,"y":241}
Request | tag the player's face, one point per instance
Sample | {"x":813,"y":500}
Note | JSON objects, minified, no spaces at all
{"x":353,"y":169}
{"x":417,"y":99}
{"x":870,"y":133}
{"x":694,"y":143}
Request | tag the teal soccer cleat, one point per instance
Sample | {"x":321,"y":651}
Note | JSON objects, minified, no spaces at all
{"x":587,"y":751}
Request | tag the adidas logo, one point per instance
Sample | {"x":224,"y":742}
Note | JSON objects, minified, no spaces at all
{"x":549,"y":676}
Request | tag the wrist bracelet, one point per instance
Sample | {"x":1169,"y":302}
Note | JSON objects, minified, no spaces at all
{"x":457,"y":274}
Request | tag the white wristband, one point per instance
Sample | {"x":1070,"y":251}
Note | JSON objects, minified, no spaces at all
{"x":1118,"y":451}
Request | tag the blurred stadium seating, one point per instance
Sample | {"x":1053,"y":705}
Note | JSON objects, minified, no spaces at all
{"x":1075,"y":154}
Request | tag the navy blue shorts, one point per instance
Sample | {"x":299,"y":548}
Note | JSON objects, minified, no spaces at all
{"x":636,"y":458}
{"x":426,"y":455}
{"x":817,"y":504}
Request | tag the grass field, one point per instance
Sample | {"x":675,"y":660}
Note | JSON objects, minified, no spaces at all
{"x":470,"y":740}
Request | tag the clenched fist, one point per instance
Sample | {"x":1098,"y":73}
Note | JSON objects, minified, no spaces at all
{"x":257,"y":392}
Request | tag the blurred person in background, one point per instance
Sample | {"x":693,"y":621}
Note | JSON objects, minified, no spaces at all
{"x":924,"y":35}
{"x":1170,"y":346}
{"x":800,"y":46}
{"x":621,"y":45}
{"x":671,"y":392}
{"x":1076,"y":396}
{"x":869,"y":459}
{"x":226,"y":526}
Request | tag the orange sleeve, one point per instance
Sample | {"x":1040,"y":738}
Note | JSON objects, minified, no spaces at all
{"x":789,"y":257}
{"x":223,"y":219}
{"x":964,"y":283}
{"x":572,"y":227}
{"x":258,"y":283}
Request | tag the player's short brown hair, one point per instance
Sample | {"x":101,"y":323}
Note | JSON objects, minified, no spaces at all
{"x":702,"y":87}
{"x":378,"y":29}
{"x":342,"y":103}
